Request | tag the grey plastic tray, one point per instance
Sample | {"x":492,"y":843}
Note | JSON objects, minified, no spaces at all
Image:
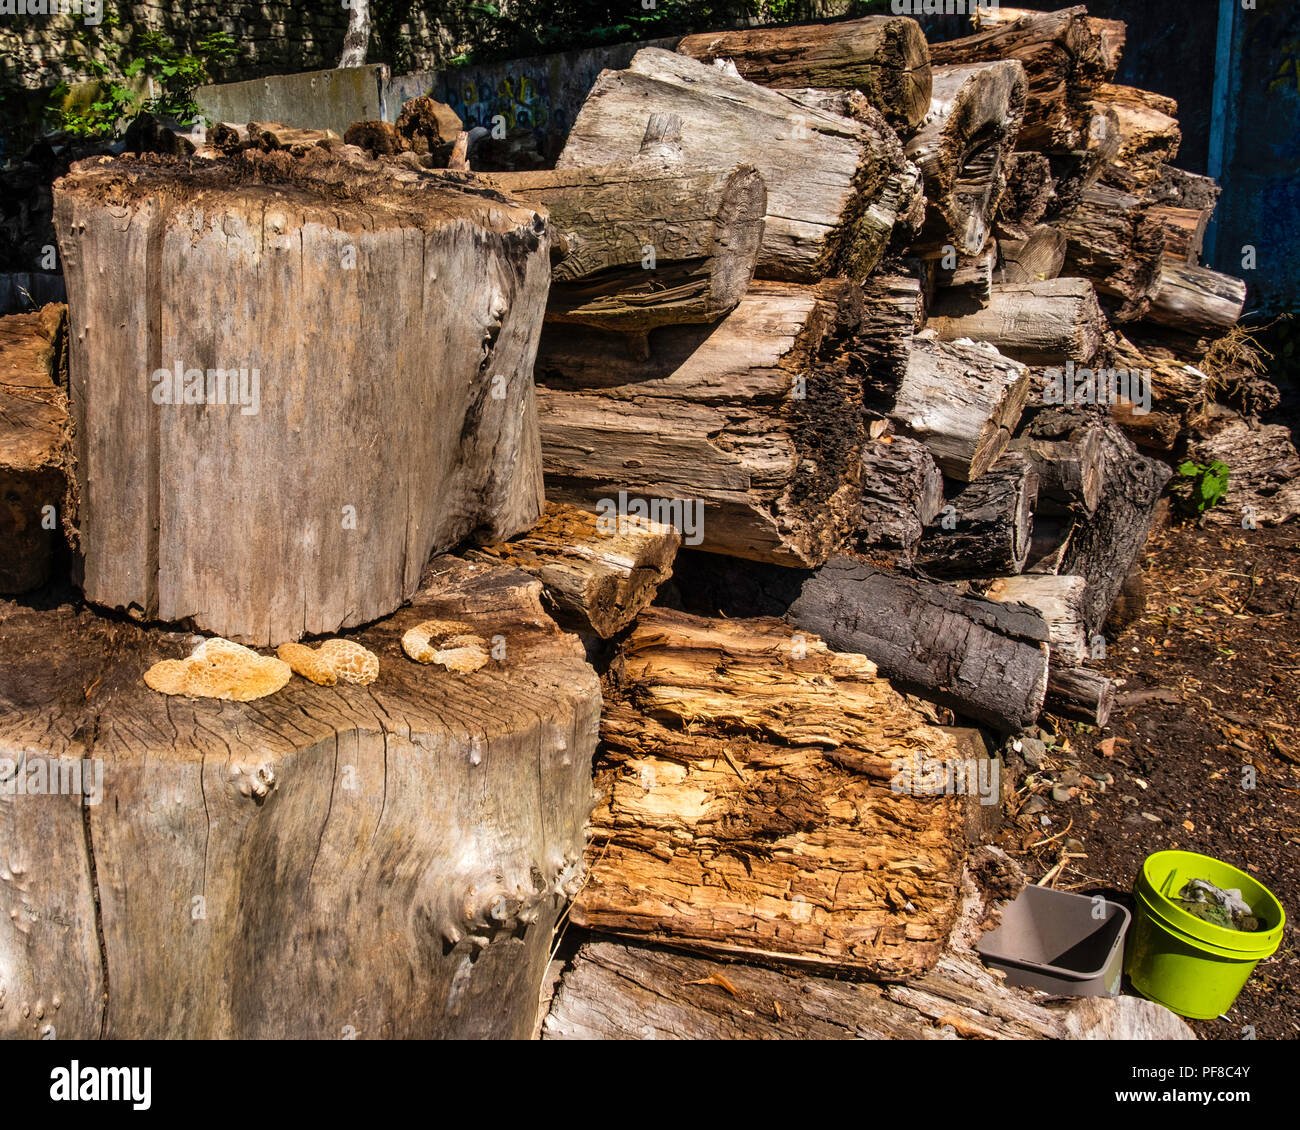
{"x":1054,"y":941}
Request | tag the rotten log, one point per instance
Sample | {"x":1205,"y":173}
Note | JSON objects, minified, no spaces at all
{"x":180,"y":470}
{"x":1104,"y":547}
{"x":894,"y":307}
{"x":703,"y":228}
{"x":1059,"y":601}
{"x":1184,"y":231}
{"x":1149,"y":134}
{"x":35,"y":445}
{"x":755,"y":424}
{"x":595,"y":570}
{"x":902,"y":491}
{"x":1048,"y":546}
{"x":962,"y":400}
{"x":611,"y":991}
{"x":1061,"y":57}
{"x":1264,"y":469}
{"x":1114,"y":241}
{"x":756,"y":803}
{"x":1066,"y":452}
{"x":973,"y":122}
{"x":1040,"y":323}
{"x":970,"y":279}
{"x":386,"y":861}
{"x":1196,"y":300}
{"x":884,"y":57}
{"x":984,"y":660}
{"x":1080,"y":695}
{"x":984,"y":530}
{"x":1185,"y":190}
{"x":836,"y":186}
{"x":1030,"y":189}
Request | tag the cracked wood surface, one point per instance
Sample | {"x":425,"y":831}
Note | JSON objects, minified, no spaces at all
{"x":747,"y":803}
{"x":390,"y":858}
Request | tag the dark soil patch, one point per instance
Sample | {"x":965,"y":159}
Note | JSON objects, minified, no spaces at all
{"x":1211,"y":690}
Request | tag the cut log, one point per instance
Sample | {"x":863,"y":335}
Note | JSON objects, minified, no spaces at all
{"x":1184,"y":231}
{"x":383,"y":861}
{"x":35,"y":445}
{"x":1047,"y":548}
{"x":894,"y":307}
{"x":973,"y":122}
{"x":758,"y":802}
{"x":1040,"y":323}
{"x":1079,"y":169}
{"x":1115,"y":242}
{"x":1080,"y":695}
{"x":1185,"y":190}
{"x":962,"y":401}
{"x":902,"y":491}
{"x":1037,"y":258}
{"x":754,"y":425}
{"x":1060,"y":55}
{"x":1067,"y":454}
{"x":1148,"y":130}
{"x":1196,"y":299}
{"x":1030,"y":189}
{"x":595,"y":570}
{"x":649,"y":243}
{"x":984,"y":660}
{"x":984,"y":530}
{"x":1111,"y":37}
{"x":1059,"y":601}
{"x":884,"y":57}
{"x":292,"y":491}
{"x":835,"y":186}
{"x":615,"y":992}
{"x":1106,"y":546}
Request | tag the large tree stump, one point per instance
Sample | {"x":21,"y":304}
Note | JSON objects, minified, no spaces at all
{"x":321,"y":443}
{"x":835,"y":186}
{"x":384,"y":861}
{"x":755,"y":424}
{"x":750,"y":806}
{"x":884,"y":57}
{"x":703,"y":228}
{"x":34,"y":446}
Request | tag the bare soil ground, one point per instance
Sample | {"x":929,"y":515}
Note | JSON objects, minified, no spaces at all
{"x":1203,"y":752}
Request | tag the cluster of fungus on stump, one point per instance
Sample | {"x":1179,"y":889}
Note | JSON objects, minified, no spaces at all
{"x":218,"y":668}
{"x":448,"y":643}
{"x":335,"y":661}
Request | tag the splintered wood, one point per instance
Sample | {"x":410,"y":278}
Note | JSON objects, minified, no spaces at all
{"x":747,"y":803}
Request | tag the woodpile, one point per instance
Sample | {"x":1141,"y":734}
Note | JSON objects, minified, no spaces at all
{"x":827,"y":388}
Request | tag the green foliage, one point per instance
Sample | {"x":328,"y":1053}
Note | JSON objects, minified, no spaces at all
{"x":1208,"y":484}
{"x":175,"y":75}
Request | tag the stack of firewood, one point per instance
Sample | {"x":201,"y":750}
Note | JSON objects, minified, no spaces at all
{"x":856,"y":387}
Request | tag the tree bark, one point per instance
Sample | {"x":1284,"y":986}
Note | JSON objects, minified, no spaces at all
{"x":35,"y":446}
{"x":987,"y":531}
{"x":309,"y":497}
{"x":594,"y":570}
{"x":749,"y":803}
{"x":1106,"y":546}
{"x":1041,"y":323}
{"x":702,"y":227}
{"x":356,"y":40}
{"x":1030,"y":189}
{"x":758,"y":419}
{"x":384,"y":861}
{"x":884,"y":57}
{"x":835,"y":186}
{"x":983,"y":660}
{"x":973,"y":122}
{"x":962,"y":401}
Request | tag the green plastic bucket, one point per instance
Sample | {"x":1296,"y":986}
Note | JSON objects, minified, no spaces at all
{"x":1190,"y":966}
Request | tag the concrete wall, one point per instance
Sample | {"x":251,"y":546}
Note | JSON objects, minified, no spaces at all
{"x":332,"y":99}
